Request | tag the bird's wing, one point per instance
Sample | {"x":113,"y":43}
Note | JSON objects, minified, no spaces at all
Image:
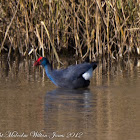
{"x":75,"y":71}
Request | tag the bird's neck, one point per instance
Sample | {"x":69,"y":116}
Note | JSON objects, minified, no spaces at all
{"x":49,"y":72}
{"x":48,"y":69}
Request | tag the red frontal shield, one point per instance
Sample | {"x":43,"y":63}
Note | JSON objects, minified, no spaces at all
{"x":37,"y":62}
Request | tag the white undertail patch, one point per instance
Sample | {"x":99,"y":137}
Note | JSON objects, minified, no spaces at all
{"x":88,"y":74}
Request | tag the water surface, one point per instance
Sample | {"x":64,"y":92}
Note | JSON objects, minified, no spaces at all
{"x":31,"y":106}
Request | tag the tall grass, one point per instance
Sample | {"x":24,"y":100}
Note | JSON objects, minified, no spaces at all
{"x":79,"y":27}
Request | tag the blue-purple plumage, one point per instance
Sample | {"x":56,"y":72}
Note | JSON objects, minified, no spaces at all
{"x":71,"y":77}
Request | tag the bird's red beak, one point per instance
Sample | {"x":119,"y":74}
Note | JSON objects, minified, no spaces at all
{"x":37,"y":62}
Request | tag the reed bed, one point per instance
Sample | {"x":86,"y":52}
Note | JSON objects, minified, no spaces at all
{"x":82,"y":28}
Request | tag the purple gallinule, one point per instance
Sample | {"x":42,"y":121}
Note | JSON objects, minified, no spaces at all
{"x":74,"y":76}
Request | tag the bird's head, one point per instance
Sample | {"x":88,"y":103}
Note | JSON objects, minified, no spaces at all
{"x":41,"y":61}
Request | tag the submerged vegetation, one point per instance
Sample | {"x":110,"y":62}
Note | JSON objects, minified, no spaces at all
{"x":82,"y":28}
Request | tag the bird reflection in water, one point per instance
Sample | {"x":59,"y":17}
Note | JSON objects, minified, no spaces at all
{"x":68,"y":110}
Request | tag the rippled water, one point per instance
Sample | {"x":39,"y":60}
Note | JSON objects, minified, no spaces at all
{"x":31,"y":106}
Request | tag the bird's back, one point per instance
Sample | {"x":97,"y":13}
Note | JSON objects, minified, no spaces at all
{"x":71,"y":77}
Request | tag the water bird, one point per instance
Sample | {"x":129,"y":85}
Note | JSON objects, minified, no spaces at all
{"x":72,"y":77}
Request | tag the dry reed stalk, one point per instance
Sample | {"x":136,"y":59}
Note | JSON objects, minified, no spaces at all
{"x":108,"y":9}
{"x":8,"y":27}
{"x":87,"y":31}
{"x":75,"y":27}
{"x":40,"y":41}
{"x":97,"y":30}
{"x":27,"y":32}
{"x":117,"y":21}
{"x":102,"y":15}
{"x":54,"y":50}
{"x":10,"y":48}
{"x":57,"y":22}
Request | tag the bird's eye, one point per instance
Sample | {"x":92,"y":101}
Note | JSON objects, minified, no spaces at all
{"x":41,"y":60}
